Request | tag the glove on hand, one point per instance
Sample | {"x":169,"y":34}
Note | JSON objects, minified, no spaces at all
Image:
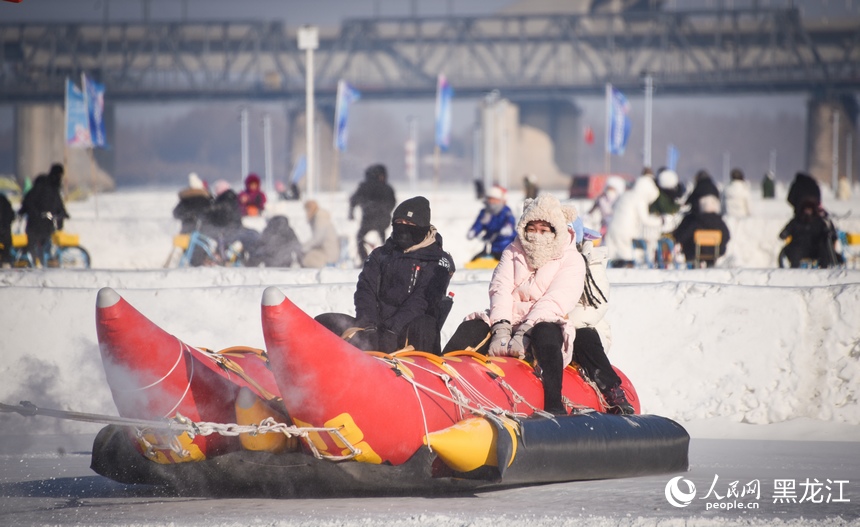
{"x":520,"y":341}
{"x":501,"y":338}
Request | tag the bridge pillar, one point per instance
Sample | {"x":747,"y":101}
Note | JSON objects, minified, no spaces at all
{"x":40,"y":142}
{"x":826,"y":115}
{"x":524,"y":138}
{"x":38,"y":139}
{"x":560,"y":120}
{"x":328,"y":177}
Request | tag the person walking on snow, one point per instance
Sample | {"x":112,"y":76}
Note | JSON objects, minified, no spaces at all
{"x":375,"y":198}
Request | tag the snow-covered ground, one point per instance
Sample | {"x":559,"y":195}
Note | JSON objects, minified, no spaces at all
{"x":744,"y":351}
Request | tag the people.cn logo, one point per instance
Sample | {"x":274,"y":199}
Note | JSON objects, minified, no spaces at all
{"x":677,"y":497}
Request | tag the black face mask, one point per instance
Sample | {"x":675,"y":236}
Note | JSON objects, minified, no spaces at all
{"x":405,"y":236}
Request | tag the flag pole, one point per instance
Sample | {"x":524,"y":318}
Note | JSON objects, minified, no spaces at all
{"x":66,"y":135}
{"x":91,"y":147}
{"x":608,"y":138}
{"x":436,"y":155}
{"x":93,"y":180}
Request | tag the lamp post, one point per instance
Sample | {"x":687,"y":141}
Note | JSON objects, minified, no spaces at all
{"x":243,"y":119}
{"x":649,"y":94}
{"x":309,"y":41}
{"x":267,"y":147}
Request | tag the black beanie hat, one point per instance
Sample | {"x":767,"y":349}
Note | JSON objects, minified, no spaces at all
{"x":415,"y":210}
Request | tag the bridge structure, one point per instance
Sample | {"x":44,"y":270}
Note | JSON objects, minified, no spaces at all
{"x":540,"y":61}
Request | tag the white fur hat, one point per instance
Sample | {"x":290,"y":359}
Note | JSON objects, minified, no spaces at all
{"x":548,"y":208}
{"x":667,"y":179}
{"x":194,"y":181}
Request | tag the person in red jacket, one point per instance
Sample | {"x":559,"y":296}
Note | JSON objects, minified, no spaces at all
{"x":252,"y":199}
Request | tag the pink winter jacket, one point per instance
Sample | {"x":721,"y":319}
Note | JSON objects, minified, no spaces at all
{"x":519,"y":293}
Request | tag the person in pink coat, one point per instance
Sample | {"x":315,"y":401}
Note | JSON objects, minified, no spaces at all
{"x":538,"y":281}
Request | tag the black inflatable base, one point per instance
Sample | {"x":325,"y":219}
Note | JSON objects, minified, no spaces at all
{"x":582,"y":447}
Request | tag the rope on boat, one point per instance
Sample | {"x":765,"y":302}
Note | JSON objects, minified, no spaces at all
{"x":179,"y":424}
{"x":458,"y":398}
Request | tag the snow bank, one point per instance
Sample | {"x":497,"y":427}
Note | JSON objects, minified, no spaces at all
{"x":718,"y":349}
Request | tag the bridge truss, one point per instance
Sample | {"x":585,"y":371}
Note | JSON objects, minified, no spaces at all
{"x":524,"y":56}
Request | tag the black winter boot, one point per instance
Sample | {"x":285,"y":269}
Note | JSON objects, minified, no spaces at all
{"x":617,"y":402}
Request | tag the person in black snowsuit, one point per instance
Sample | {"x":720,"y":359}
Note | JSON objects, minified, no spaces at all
{"x":45,"y":211}
{"x":707,"y":216}
{"x":7,"y":216}
{"x":703,"y":186}
{"x":194,"y":203}
{"x":279,"y":246}
{"x":804,"y":189}
{"x":400,"y":298}
{"x":223,"y":222}
{"x":376,"y":199}
{"x":812,"y":236}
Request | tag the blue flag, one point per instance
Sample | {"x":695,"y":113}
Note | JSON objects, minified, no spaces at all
{"x":299,"y":170}
{"x":444,"y":93}
{"x":672,"y":158}
{"x":95,"y":95}
{"x":618,"y":120}
{"x":346,"y":95}
{"x":77,"y":119}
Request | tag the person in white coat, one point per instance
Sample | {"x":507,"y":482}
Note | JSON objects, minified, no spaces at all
{"x":736,"y":196}
{"x":593,"y":334}
{"x":324,"y":247}
{"x":632,"y":221}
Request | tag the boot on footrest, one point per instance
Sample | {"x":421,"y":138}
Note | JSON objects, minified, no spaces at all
{"x":617,"y":402}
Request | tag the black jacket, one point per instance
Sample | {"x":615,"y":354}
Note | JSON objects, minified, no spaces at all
{"x":812,"y":238}
{"x":7,"y":216}
{"x":693,"y":222}
{"x":704,"y":187}
{"x":193,"y":206}
{"x":376,"y":199}
{"x":44,"y":199}
{"x":226,"y":212}
{"x":279,"y":246}
{"x":396,"y":287}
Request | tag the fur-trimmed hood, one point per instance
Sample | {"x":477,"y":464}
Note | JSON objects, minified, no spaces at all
{"x":548,"y":208}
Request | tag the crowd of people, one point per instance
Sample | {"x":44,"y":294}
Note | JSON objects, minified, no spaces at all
{"x":218,"y":214}
{"x":546,"y":298}
{"x":658,"y":212}
{"x":548,"y":293}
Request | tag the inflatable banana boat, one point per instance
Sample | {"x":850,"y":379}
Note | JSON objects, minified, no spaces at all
{"x":315,"y":416}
